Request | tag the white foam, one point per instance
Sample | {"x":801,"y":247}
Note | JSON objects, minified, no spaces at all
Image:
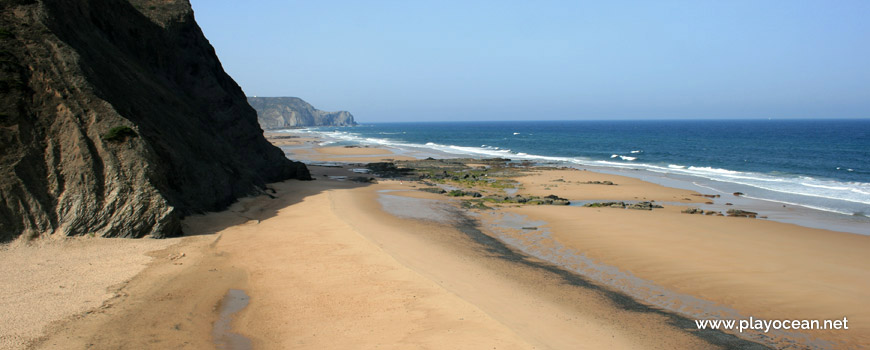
{"x":827,"y":187}
{"x":707,"y":187}
{"x":853,"y":192}
{"x":714,"y":170}
{"x":800,"y":205}
{"x":856,"y":192}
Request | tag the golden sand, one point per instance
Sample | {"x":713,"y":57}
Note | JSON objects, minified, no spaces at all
{"x":326,"y":267}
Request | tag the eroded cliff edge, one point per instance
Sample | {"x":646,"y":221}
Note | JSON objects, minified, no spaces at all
{"x":117,"y":119}
{"x":288,"y":112}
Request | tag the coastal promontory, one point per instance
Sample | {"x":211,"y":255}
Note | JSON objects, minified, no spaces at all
{"x":289,"y":112}
{"x":117,"y":120}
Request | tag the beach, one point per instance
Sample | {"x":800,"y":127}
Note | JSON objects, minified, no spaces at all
{"x":347,"y":261}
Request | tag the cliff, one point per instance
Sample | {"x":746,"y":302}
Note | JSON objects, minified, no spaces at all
{"x":286,"y":112}
{"x":117,"y":119}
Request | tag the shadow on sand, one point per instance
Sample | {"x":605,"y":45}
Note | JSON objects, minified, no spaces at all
{"x":469,"y":227}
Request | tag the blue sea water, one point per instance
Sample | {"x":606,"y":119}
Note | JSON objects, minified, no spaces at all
{"x":818,"y":164}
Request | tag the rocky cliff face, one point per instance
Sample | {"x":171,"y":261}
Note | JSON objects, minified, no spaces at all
{"x":287,"y":112}
{"x":117,"y":119}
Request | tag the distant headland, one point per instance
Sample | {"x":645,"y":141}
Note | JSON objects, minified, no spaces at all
{"x":288,"y":112}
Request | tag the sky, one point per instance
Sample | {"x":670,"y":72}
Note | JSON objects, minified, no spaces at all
{"x":388,"y":61}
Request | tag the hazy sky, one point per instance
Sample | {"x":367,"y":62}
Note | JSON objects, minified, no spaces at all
{"x":547,"y":60}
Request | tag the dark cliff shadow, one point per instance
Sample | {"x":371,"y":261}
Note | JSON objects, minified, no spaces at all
{"x":276,"y":197}
{"x":146,"y":66}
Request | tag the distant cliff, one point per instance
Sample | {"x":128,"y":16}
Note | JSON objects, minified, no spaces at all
{"x":117,"y":119}
{"x":286,"y":112}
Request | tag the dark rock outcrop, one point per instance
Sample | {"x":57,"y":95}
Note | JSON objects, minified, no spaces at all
{"x":693,"y":211}
{"x":532,"y":200}
{"x":624,"y":205}
{"x":461,"y":193}
{"x":435,"y":190}
{"x":741,"y":213}
{"x":288,"y":112}
{"x":644,"y":206}
{"x":555,"y":200}
{"x":117,"y":119}
{"x":388,"y":170}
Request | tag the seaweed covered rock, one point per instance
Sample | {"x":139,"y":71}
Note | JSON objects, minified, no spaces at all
{"x":388,"y":170}
{"x":741,"y":213}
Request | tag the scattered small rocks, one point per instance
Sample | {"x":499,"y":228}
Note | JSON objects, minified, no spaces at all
{"x":363,"y":179}
{"x":174,"y":257}
{"x":461,"y":193}
{"x":548,"y":200}
{"x":644,"y":206}
{"x":607,"y":183}
{"x":474,"y":204}
{"x":623,"y":205}
{"x":388,"y":170}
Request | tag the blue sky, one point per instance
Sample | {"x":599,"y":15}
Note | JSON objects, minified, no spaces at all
{"x":550,"y":60}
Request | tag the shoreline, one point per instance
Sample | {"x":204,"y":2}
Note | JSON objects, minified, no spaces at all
{"x":341,"y":261}
{"x":842,"y":249}
{"x":755,"y":198}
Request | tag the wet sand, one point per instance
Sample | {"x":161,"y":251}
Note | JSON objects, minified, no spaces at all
{"x":742,"y":267}
{"x":580,"y":185}
{"x":701,"y":266}
{"x":329,"y":265}
{"x":326,"y":268}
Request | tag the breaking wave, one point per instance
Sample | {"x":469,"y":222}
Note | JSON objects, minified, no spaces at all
{"x":796,"y":187}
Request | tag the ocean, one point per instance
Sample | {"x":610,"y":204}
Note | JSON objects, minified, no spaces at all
{"x":811,"y":172}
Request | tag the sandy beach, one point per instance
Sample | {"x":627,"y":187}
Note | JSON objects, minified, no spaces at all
{"x":333,"y":264}
{"x":50,"y":280}
{"x":180,"y":174}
